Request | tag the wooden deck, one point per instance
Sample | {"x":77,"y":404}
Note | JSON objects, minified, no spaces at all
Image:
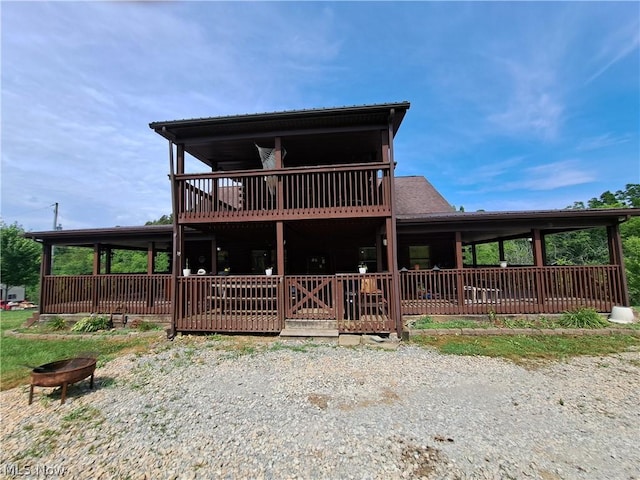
{"x":358,"y":303}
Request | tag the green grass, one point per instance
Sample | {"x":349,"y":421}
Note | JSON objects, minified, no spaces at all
{"x":522,"y":347}
{"x":18,"y":354}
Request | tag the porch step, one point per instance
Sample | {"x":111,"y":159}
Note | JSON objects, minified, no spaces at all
{"x":310,"y":328}
{"x":311,"y":324}
{"x":309,"y":332}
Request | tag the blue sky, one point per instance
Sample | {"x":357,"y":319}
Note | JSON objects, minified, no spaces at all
{"x":514,"y":105}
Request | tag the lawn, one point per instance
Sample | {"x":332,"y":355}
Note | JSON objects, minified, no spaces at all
{"x":19,"y":354}
{"x":535,"y":347}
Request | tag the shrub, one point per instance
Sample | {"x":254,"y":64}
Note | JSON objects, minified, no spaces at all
{"x":582,"y":318}
{"x":147,"y":326}
{"x":57,"y":323}
{"x":423,"y":322}
{"x":92,"y":324}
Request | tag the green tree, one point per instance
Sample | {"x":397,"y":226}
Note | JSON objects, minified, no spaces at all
{"x":20,"y":258}
{"x":163,"y":220}
{"x":73,"y":261}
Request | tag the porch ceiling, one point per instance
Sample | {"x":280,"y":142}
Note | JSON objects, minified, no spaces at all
{"x":227,"y":143}
{"x":482,"y":227}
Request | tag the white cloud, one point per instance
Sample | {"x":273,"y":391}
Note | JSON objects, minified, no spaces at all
{"x":602,"y":141}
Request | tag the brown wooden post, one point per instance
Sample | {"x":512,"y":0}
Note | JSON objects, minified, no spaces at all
{"x":214,"y":256}
{"x":151,"y":258}
{"x":280,"y":271}
{"x":96,"y":271}
{"x":96,"y":259}
{"x":107,"y":260}
{"x":45,"y":269}
{"x":539,"y":261}
{"x":501,"y":250}
{"x":616,"y":258}
{"x":280,"y":189}
{"x":151,"y":266}
{"x":474,"y":255}
{"x":392,"y":256}
{"x":538,"y":251}
{"x":459,"y":255}
{"x":459,"y":268}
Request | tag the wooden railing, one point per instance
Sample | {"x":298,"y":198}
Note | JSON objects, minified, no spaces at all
{"x":338,"y":191}
{"x":229,"y":303}
{"x":359,"y":303}
{"x":132,"y":293}
{"x":512,"y":290}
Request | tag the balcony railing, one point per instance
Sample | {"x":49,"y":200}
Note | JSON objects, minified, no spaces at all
{"x":338,"y":191}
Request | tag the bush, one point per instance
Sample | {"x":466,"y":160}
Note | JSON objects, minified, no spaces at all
{"x":582,"y":318}
{"x":147,"y":326}
{"x":423,"y":322}
{"x":57,"y":323}
{"x":92,"y":324}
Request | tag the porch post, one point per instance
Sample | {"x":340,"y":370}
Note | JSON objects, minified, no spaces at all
{"x":538,"y":262}
{"x":538,"y":251}
{"x":392,"y":257}
{"x":96,"y":259}
{"x":280,"y":271}
{"x":280,"y":247}
{"x":474,"y":255}
{"x":96,"y":272}
{"x":107,"y":260}
{"x":501,"y":250}
{"x":45,"y":269}
{"x":616,"y":258}
{"x":459,"y":256}
{"x":280,"y":190}
{"x":214,"y":256}
{"x":151,"y":258}
{"x":459,"y":267}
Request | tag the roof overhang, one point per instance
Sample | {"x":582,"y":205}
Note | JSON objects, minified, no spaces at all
{"x":227,"y":142}
{"x":482,"y":227}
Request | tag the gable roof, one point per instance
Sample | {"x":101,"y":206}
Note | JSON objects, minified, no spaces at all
{"x":415,"y":195}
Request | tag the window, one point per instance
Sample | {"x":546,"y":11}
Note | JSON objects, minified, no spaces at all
{"x":420,"y":256}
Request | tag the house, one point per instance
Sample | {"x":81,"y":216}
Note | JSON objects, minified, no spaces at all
{"x":288,"y":207}
{"x":14,"y":294}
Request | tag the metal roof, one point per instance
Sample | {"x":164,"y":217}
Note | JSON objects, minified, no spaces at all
{"x":286,"y":120}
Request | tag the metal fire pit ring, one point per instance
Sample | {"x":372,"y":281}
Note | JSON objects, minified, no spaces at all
{"x":62,"y":373}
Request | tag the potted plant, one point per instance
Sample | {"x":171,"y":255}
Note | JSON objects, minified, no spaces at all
{"x":186,"y":271}
{"x":268,"y":271}
{"x":362,"y":268}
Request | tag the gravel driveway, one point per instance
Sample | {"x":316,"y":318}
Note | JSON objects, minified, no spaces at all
{"x":203,"y":408}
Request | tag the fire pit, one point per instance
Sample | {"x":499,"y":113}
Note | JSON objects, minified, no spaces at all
{"x":62,"y":373}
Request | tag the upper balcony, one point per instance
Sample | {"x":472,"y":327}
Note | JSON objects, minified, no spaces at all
{"x":322,"y":163}
{"x":337,"y":191}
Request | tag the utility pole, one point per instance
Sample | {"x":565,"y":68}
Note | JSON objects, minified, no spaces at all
{"x":55,"y":227}
{"x":55,"y":216}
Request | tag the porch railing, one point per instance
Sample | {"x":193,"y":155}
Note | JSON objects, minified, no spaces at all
{"x":511,"y":290}
{"x":338,"y":191}
{"x":229,"y":303}
{"x":358,"y":303}
{"x":134,"y":293}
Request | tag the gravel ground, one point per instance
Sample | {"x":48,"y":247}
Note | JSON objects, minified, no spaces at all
{"x":211,"y":408}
